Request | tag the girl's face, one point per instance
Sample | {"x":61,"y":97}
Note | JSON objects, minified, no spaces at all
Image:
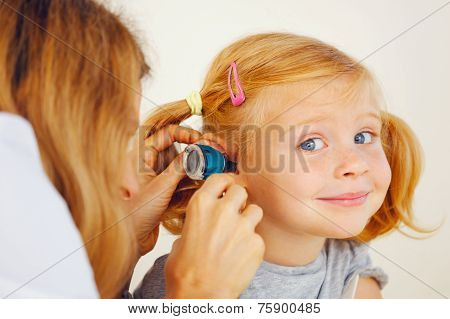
{"x":321,"y":147}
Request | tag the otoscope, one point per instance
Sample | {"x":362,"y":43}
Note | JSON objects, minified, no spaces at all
{"x":201,"y":161}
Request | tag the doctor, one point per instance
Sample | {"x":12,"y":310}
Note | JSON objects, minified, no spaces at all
{"x":74,"y":219}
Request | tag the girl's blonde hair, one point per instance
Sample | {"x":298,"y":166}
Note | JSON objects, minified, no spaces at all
{"x":72,"y":69}
{"x":266,"y":60}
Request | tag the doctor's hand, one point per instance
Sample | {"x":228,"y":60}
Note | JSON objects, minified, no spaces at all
{"x":148,"y":195}
{"x":218,"y":252}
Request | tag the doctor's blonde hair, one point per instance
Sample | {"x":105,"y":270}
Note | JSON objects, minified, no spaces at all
{"x":267,"y":60}
{"x":72,"y":69}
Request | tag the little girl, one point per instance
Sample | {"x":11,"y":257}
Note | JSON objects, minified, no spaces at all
{"x":316,"y":151}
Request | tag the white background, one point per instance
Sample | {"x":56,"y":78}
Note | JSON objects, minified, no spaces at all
{"x":182,"y":37}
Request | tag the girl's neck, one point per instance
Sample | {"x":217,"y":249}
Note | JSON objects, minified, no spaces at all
{"x":287,"y":248}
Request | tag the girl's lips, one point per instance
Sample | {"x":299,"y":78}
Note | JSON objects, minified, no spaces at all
{"x":347,"y":202}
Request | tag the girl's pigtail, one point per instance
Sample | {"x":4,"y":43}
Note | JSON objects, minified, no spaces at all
{"x":405,"y":156}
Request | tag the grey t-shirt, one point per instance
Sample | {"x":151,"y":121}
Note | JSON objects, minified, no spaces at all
{"x":325,"y":277}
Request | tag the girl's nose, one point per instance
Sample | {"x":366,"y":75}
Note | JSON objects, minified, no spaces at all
{"x":350,"y":163}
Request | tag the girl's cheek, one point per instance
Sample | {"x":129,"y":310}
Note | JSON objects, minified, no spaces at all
{"x":315,"y":165}
{"x":381,"y":169}
{"x":311,"y":175}
{"x":385,"y":172}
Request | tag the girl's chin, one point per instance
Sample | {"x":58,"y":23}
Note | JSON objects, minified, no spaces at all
{"x":346,"y":231}
{"x":347,"y":226}
{"x":340,"y":229}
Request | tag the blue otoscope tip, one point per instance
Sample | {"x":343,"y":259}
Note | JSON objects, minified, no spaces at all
{"x":201,"y":161}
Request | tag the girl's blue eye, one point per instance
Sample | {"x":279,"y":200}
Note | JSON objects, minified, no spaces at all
{"x":360,"y":138}
{"x":314,"y":144}
{"x":309,"y":145}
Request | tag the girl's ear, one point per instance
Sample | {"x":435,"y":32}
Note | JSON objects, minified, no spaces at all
{"x":232,"y":151}
{"x":220,"y":144}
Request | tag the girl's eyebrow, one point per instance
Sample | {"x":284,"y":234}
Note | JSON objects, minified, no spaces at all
{"x":308,"y":120}
{"x":320,"y":117}
{"x":373,"y":115}
{"x":312,"y":119}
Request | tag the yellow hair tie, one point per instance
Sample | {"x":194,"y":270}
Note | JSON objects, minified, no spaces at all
{"x":194,"y":100}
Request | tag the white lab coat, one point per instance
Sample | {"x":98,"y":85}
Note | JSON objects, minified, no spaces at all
{"x":41,"y":250}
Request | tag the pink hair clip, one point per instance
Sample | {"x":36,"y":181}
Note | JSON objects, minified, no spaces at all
{"x":238,"y":99}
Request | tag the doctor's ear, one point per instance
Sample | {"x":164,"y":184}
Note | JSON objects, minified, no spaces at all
{"x":129,"y":186}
